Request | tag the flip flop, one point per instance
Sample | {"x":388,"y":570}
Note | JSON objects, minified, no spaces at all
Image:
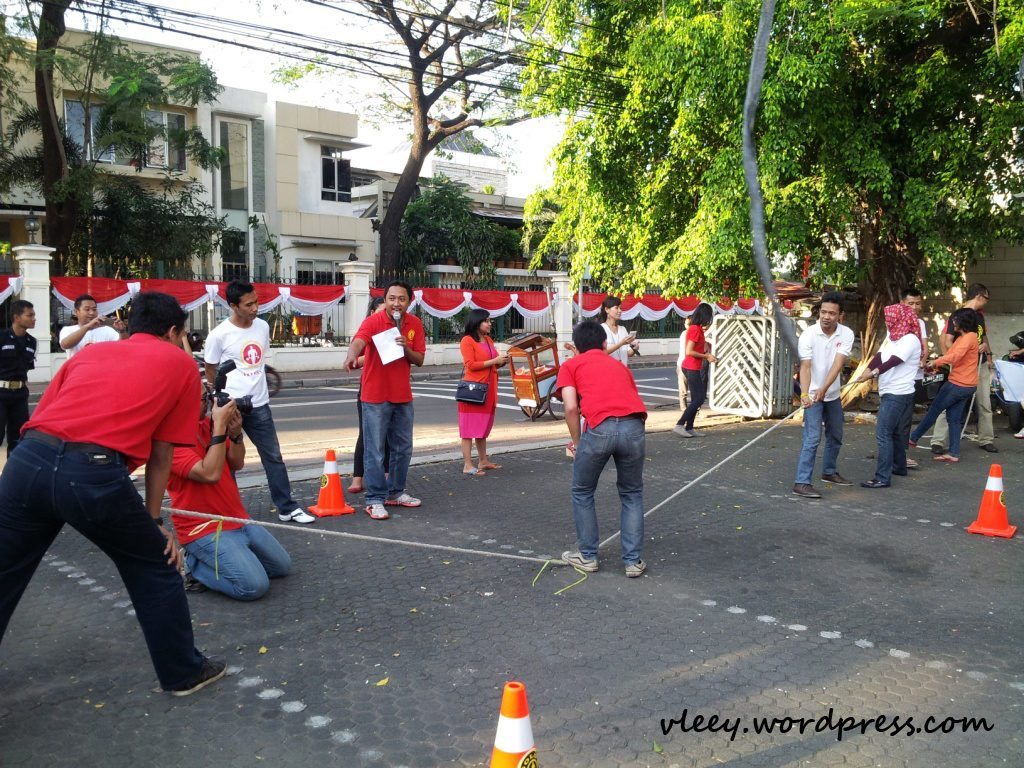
{"x":474,"y":472}
{"x":360,"y":489}
{"x":490,"y":466}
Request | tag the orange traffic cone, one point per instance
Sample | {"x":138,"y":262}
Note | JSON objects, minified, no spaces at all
{"x":513,"y":743}
{"x":332,"y":498}
{"x":992,"y":516}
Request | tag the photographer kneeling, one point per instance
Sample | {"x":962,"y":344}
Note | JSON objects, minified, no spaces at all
{"x":240,"y":561}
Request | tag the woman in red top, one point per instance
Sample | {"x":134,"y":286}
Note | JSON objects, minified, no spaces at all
{"x":482,"y":361}
{"x":695,"y":354}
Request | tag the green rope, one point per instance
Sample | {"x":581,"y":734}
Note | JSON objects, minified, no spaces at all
{"x":559,"y":562}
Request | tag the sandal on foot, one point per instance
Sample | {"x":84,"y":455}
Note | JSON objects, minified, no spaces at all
{"x":489,"y":465}
{"x":474,"y":472}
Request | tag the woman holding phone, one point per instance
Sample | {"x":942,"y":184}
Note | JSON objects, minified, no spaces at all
{"x":621,"y":344}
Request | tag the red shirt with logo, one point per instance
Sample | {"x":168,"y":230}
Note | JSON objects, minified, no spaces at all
{"x":123,"y":395}
{"x":220,"y":498}
{"x":694,"y":333}
{"x":389,"y":383}
{"x":604,"y":385}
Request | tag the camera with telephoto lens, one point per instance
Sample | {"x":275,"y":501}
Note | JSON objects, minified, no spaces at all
{"x":220,"y":397}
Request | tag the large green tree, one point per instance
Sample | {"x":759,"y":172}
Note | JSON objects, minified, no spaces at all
{"x":440,"y":224}
{"x":889,"y":140}
{"x":119,"y":89}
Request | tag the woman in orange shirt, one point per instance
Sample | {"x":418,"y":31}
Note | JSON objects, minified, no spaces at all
{"x":482,"y":361}
{"x":960,"y":385}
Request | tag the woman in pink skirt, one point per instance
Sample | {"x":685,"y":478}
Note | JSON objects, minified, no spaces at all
{"x":482,"y":361}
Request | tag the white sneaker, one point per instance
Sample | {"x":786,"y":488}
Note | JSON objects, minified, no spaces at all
{"x":377,"y":511}
{"x":1020,"y":435}
{"x":682,"y":431}
{"x":405,"y":500}
{"x":296,"y":516}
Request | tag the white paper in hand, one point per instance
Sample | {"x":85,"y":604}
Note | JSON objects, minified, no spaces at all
{"x":387,"y":347}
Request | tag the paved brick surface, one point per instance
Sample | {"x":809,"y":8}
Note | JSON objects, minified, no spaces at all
{"x":756,"y":604}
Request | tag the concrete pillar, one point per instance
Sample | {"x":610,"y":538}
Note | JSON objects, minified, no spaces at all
{"x":561,"y":308}
{"x":357,"y":294}
{"x":34,"y":268}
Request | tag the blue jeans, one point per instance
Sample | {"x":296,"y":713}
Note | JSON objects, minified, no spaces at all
{"x":696,"y":385}
{"x":831,"y":413}
{"x":891,"y":437}
{"x":623,"y":440}
{"x":44,"y":487}
{"x":259,"y":426}
{"x":246,"y":560}
{"x":391,"y":424}
{"x":953,"y":400}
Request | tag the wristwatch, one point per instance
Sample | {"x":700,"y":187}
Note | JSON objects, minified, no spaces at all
{"x":218,"y":439}
{"x":237,"y":439}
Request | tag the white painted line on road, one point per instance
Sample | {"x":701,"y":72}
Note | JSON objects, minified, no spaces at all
{"x":275,"y":406}
{"x":452,"y":399}
{"x":642,"y":385}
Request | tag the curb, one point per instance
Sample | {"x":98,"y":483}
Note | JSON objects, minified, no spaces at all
{"x":449,"y":372}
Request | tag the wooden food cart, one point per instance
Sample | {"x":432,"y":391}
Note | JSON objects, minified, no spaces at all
{"x":533,"y":362}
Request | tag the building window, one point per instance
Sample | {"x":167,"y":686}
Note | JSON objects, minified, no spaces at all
{"x":75,"y":122}
{"x":234,"y":168}
{"x":162,"y":151}
{"x":336,"y":172}
{"x":319,"y":273}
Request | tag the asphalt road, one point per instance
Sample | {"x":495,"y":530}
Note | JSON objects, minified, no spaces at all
{"x":310,"y":420}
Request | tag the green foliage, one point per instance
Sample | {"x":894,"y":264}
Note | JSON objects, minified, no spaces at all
{"x":889,"y":140}
{"x":128,"y":88}
{"x":440,"y":225}
{"x":134,"y":229}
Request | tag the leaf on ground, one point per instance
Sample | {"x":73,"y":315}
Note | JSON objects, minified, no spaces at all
{"x":413,"y":610}
{"x":657,"y":748}
{"x":385,"y":681}
{"x":263,"y":649}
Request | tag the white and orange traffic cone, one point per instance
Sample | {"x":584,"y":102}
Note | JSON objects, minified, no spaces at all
{"x":332,"y":498}
{"x":513,"y":743}
{"x":993,"y":519}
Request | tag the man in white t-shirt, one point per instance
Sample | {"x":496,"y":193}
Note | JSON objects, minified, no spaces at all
{"x":824,"y":348}
{"x":245,"y":339}
{"x":895,"y":366}
{"x":91,"y":329}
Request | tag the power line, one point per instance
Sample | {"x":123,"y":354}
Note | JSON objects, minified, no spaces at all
{"x":367,"y":66}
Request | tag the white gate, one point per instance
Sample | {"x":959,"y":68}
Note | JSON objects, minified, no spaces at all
{"x":754,"y":373}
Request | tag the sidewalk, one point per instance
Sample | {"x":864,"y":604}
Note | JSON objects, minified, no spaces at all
{"x":756,"y":604}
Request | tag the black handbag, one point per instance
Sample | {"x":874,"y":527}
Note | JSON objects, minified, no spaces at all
{"x":474,"y":392}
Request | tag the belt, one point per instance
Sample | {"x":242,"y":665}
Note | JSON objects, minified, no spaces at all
{"x":624,"y":418}
{"x":98,"y":454}
{"x":12,"y":384}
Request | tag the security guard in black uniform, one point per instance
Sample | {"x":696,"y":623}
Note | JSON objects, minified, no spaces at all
{"x":17,"y":358}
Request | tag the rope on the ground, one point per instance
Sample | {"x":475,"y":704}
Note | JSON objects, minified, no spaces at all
{"x":363,"y":537}
{"x":704,"y":474}
{"x":727,"y":459}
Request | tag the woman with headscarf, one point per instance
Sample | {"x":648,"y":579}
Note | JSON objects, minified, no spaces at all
{"x":482,"y":361}
{"x":895,"y":367}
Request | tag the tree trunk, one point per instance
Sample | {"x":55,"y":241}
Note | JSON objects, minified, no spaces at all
{"x":891,"y":266}
{"x":60,"y":215}
{"x":400,"y":199}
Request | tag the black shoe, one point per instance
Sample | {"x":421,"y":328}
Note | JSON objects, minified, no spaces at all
{"x":806,"y":490}
{"x":873,"y":484}
{"x":210,"y":672}
{"x":900,"y":473}
{"x":192,"y":584}
{"x":989,"y":447}
{"x":938,"y":450}
{"x":836,"y":479}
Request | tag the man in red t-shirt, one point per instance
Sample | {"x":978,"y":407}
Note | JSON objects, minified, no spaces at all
{"x":604,"y":390}
{"x":241,"y":560}
{"x":109,"y":409}
{"x":393,"y":342}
